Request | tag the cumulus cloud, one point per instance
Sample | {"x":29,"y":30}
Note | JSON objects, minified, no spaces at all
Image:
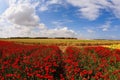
{"x":20,"y":20}
{"x":56,"y":32}
{"x":88,"y":9}
{"x":22,"y":14}
{"x":61,"y":32}
{"x":13,"y":30}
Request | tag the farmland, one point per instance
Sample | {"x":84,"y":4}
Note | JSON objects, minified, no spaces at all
{"x":59,"y":39}
{"x":44,"y":59}
{"x":65,"y":42}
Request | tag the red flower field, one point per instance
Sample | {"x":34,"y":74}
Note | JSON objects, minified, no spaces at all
{"x":39,"y":62}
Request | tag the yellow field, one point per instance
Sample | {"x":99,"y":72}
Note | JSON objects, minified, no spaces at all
{"x":114,"y":46}
{"x":65,"y":42}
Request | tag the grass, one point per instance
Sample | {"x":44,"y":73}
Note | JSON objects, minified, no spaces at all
{"x":64,"y":41}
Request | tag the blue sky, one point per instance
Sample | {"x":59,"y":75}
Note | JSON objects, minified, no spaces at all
{"x":84,"y":19}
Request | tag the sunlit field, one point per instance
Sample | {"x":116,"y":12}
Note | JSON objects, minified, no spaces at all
{"x":44,"y":59}
{"x":59,"y":39}
{"x":114,"y":46}
{"x":65,"y":42}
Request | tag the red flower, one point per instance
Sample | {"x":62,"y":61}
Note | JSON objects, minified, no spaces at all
{"x":90,"y":72}
{"x":39,"y":76}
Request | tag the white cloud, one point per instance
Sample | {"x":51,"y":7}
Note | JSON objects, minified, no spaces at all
{"x":90,"y":31}
{"x":21,"y":20}
{"x":46,"y":4}
{"x":56,"y":32}
{"x":22,"y":14}
{"x":88,"y":14}
{"x":106,"y":26}
{"x":13,"y":30}
{"x":60,"y":23}
{"x":61,"y":32}
{"x":89,"y":9}
{"x":43,"y":8}
{"x":116,"y":7}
